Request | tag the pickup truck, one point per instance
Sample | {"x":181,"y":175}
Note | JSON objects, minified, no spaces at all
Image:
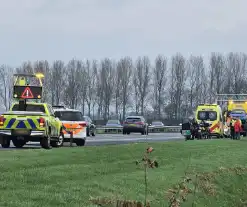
{"x":34,"y":122}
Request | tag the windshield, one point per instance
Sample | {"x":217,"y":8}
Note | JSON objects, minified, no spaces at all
{"x":69,"y":115}
{"x":238,"y":113}
{"x":27,"y":80}
{"x":207,"y":115}
{"x":36,"y":108}
{"x":133,"y":119}
{"x":113,"y":122}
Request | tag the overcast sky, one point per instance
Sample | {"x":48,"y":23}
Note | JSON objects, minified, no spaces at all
{"x":66,"y":29}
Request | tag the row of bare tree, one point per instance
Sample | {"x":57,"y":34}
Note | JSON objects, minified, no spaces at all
{"x":166,"y":88}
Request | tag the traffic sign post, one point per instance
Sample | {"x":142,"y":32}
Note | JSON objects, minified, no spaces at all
{"x":28,"y":86}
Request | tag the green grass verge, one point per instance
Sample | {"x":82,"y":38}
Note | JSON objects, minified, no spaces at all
{"x":70,"y":176}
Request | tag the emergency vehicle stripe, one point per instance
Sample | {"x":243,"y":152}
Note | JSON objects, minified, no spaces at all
{"x":36,"y":122}
{"x":214,"y":127}
{"x":21,"y":125}
{"x":31,"y":123}
{"x":27,"y":124}
{"x":15,"y":124}
{"x":11,"y":122}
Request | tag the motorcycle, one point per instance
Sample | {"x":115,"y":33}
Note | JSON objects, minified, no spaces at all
{"x":186,"y":131}
{"x":195,"y":132}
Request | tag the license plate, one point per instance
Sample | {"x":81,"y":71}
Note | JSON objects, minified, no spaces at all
{"x":132,"y":125}
{"x":23,"y":132}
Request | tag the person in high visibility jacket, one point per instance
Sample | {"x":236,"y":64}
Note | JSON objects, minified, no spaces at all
{"x":237,"y":128}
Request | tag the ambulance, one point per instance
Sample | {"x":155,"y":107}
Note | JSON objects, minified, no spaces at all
{"x":211,"y":114}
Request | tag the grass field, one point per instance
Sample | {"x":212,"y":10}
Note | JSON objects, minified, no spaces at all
{"x":70,"y":176}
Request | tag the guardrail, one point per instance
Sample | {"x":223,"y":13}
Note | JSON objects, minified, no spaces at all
{"x":151,"y":129}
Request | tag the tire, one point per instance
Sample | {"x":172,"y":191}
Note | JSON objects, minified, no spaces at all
{"x":60,"y":141}
{"x":45,"y":142}
{"x":6,"y":142}
{"x":18,"y":143}
{"x":80,"y":142}
{"x":124,"y":132}
{"x":128,"y":132}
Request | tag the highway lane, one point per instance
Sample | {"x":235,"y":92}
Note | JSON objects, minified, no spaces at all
{"x":110,"y":139}
{"x":115,"y":139}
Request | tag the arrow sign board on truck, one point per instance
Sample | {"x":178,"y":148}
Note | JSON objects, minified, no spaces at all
{"x":27,"y":92}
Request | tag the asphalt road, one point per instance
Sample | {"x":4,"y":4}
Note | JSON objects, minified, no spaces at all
{"x":115,"y":139}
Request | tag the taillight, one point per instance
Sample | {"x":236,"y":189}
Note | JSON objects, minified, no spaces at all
{"x":2,"y":120}
{"x":83,"y":124}
{"x":141,"y":123}
{"x":41,"y":122}
{"x":125,"y":122}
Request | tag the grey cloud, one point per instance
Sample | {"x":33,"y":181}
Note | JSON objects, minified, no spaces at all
{"x":96,"y":28}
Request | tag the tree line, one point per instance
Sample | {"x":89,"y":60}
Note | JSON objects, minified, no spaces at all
{"x":168,"y":87}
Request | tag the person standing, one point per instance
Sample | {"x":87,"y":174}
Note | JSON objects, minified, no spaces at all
{"x":232,"y":128}
{"x":237,"y":129}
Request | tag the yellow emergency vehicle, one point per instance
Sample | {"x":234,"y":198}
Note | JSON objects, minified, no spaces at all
{"x":212,"y":114}
{"x":235,"y":105}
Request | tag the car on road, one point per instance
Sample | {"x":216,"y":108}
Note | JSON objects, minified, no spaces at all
{"x":113,"y":123}
{"x":91,"y":128}
{"x":135,"y":124}
{"x":74,"y":121}
{"x":157,"y":124}
{"x":30,"y":121}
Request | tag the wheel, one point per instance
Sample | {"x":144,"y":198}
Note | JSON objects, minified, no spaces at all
{"x":18,"y":143}
{"x":124,"y":132}
{"x":80,"y":142}
{"x":128,"y":132}
{"x":60,"y":141}
{"x":143,"y":132}
{"x":45,"y":142}
{"x":6,"y":142}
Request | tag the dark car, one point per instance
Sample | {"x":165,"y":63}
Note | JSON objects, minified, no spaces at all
{"x":135,"y":124}
{"x":91,"y":128}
